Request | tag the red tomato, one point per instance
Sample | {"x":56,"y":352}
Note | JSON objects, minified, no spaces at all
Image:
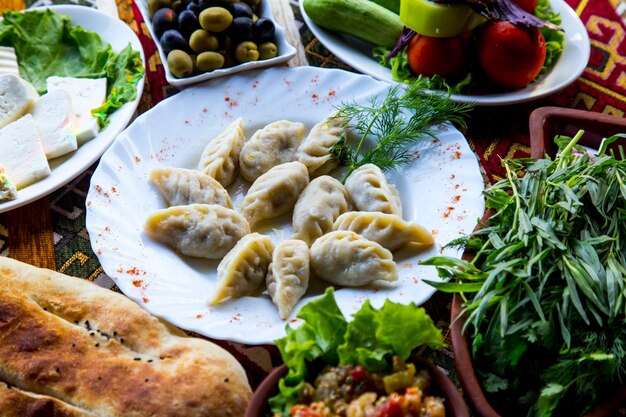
{"x":359,"y":374}
{"x":527,"y":5}
{"x":390,"y":408}
{"x":446,"y":57}
{"x":511,"y":56}
{"x":303,"y":411}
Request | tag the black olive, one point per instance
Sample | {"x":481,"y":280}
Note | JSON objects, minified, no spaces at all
{"x":205,"y":4}
{"x":164,"y":19}
{"x":188,"y":23}
{"x":241,"y":29}
{"x":178,"y":6}
{"x":241,"y":10}
{"x":172,"y":39}
{"x":194,"y":8}
{"x":223,"y":3}
{"x":263,"y":30}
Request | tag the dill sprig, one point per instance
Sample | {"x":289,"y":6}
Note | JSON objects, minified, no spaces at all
{"x":397,"y":122}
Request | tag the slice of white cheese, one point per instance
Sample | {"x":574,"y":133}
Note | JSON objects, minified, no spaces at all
{"x":109,"y":7}
{"x":21,"y":152}
{"x":86,"y":94}
{"x":16,"y":98}
{"x":8,"y":190}
{"x":53,"y":117}
{"x":8,"y":61}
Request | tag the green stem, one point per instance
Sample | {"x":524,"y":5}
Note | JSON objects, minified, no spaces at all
{"x":568,"y":149}
{"x":354,"y":163}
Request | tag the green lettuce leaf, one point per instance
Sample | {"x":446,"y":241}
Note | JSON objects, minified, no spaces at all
{"x":376,"y":335}
{"x":328,"y":324}
{"x":554,"y":39}
{"x":47,"y":44}
{"x":369,"y":340}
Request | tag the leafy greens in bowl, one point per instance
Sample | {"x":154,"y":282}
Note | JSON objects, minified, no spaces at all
{"x":47,"y":44}
{"x":544,"y":292}
{"x":374,"y":342}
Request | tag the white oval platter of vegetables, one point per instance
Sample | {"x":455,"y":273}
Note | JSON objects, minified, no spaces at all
{"x":203,"y":39}
{"x":65,"y":98}
{"x":488,"y":52}
{"x":248,"y":196}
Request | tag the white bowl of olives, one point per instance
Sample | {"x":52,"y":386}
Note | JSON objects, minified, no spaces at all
{"x":203,"y":39}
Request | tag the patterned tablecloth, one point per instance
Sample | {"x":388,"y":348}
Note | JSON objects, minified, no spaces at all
{"x":51,"y":231}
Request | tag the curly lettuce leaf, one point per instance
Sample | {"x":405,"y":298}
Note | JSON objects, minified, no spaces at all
{"x":374,"y":336}
{"x":47,"y":44}
{"x":319,"y":336}
{"x":369,"y":340}
{"x":554,"y":39}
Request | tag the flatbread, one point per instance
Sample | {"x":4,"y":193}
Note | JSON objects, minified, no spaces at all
{"x":77,"y":349}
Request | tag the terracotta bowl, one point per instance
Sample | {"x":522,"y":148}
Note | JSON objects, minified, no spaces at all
{"x":441,"y":386}
{"x":545,"y":123}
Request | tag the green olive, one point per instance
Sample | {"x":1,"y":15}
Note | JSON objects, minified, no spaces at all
{"x":246,"y":51}
{"x":201,"y":41}
{"x":154,"y":5}
{"x":194,"y":62}
{"x":208,"y":61}
{"x":215,"y":19}
{"x":180,"y":63}
{"x":268,"y":50}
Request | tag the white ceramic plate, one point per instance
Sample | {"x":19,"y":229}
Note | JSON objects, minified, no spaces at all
{"x":285,"y":51}
{"x":67,"y":167}
{"x":568,"y":68}
{"x":441,"y":189}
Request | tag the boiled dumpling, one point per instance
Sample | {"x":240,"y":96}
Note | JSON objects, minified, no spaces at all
{"x":389,"y":230}
{"x":319,"y":205}
{"x":288,"y":275}
{"x":275,"y":192}
{"x":314,"y":152}
{"x":181,"y":186}
{"x":202,"y":230}
{"x":345,"y":258}
{"x":221,"y":156}
{"x":243,"y":269}
{"x":369,"y":190}
{"x":273,"y":145}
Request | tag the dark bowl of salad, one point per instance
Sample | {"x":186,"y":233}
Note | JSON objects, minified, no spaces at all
{"x":361,"y":368}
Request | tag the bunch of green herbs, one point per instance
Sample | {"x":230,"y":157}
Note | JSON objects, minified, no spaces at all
{"x":369,"y":340}
{"x":404,"y":117}
{"x":47,"y":44}
{"x":545,"y":296}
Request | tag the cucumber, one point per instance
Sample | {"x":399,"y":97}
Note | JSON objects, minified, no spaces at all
{"x":393,"y":5}
{"x":362,"y":19}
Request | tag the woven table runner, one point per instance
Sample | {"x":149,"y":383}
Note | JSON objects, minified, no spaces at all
{"x":51,"y":231}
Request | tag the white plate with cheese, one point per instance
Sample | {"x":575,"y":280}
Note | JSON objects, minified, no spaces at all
{"x":441,"y":190}
{"x":67,"y":167}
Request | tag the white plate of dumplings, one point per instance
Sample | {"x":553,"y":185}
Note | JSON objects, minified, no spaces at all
{"x":171,"y":268}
